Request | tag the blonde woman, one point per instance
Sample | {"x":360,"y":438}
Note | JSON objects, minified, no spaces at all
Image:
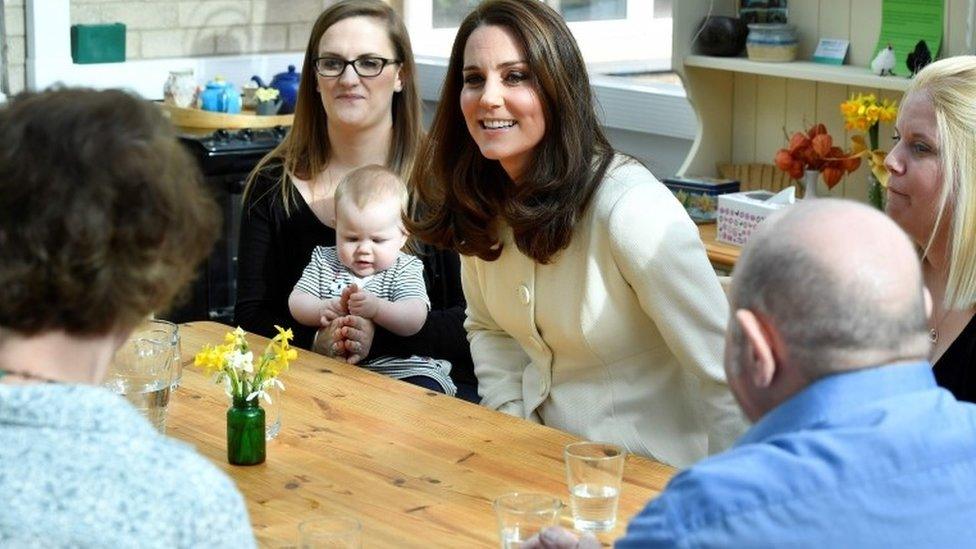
{"x":357,"y":105}
{"x":932,"y":196}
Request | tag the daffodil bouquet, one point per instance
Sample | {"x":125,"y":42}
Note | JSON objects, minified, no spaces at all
{"x":233,"y":364}
{"x":266,"y":94}
{"x":864,"y":113}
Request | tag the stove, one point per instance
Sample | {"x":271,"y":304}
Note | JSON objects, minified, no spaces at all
{"x":233,"y":151}
{"x":225,"y":157}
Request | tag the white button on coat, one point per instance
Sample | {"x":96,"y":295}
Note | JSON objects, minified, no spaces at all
{"x":525,"y":296}
{"x":544,"y":387}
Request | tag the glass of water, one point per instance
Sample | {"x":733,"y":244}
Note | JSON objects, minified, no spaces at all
{"x":593,"y":474}
{"x":142,"y":372}
{"x":330,"y":532}
{"x":272,"y":413}
{"x":521,"y":516}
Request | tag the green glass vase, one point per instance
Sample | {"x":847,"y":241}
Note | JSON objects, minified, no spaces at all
{"x":245,"y":432}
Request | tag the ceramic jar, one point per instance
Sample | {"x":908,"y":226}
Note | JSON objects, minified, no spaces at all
{"x":180,"y":88}
{"x":776,"y":42}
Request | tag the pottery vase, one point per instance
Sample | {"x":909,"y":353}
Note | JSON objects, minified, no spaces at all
{"x":810,"y":179}
{"x":180,"y":89}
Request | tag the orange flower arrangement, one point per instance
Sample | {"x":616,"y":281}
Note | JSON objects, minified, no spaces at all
{"x":815,"y":150}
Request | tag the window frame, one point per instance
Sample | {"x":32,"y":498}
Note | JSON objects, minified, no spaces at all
{"x":648,"y":38}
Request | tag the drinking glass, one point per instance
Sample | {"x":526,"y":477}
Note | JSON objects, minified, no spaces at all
{"x":272,"y":411}
{"x":330,"y":533}
{"x":522,"y":515}
{"x":593,"y":474}
{"x":142,"y":371}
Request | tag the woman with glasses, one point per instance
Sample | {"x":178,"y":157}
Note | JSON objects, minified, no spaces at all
{"x":592,"y":307}
{"x":357,"y":105}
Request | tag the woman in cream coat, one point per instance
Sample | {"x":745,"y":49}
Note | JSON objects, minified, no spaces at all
{"x":591,"y":303}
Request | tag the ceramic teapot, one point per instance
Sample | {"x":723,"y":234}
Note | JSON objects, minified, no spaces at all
{"x":287,"y":85}
{"x":220,"y":96}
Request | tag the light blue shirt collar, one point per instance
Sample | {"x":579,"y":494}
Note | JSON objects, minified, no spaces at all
{"x":836,"y":394}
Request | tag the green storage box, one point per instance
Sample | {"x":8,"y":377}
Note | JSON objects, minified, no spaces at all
{"x":98,"y":43}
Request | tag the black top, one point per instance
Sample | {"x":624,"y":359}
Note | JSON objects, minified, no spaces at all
{"x":956,"y":368}
{"x":274,"y":250}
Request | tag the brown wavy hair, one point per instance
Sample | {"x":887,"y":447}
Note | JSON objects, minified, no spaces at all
{"x":305,"y":151}
{"x":463,"y":195}
{"x":103,"y":213}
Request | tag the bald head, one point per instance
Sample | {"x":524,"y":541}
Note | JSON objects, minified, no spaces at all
{"x":840,"y":281}
{"x":857,"y":245}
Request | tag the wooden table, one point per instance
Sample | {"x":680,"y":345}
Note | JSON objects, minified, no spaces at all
{"x":721,"y":255}
{"x":416,"y":468}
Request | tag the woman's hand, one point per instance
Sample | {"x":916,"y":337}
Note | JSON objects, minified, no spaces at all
{"x":326,"y":341}
{"x":353,"y":337}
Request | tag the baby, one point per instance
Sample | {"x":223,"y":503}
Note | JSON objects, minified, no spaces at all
{"x":386,"y":285}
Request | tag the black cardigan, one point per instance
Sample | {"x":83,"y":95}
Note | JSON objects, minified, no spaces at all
{"x":956,"y":368}
{"x":274,"y":250}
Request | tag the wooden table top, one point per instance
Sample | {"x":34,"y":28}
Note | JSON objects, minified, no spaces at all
{"x":719,"y":253}
{"x":417,"y":469}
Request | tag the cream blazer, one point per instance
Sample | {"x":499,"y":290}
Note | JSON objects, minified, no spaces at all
{"x":620,"y":338}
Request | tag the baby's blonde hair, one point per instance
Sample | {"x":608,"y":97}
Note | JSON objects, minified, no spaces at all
{"x":370,"y":184}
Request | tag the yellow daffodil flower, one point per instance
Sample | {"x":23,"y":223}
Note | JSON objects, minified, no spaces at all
{"x":876,"y":158}
{"x":876,"y":161}
{"x":233,"y":363}
{"x":863,"y":111}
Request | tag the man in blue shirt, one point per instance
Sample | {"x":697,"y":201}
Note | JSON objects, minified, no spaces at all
{"x":854,"y":445}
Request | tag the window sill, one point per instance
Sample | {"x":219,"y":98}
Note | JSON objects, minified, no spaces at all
{"x":623,"y":102}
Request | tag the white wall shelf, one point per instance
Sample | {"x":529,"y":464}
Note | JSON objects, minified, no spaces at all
{"x":802,"y":70}
{"x":744,"y":107}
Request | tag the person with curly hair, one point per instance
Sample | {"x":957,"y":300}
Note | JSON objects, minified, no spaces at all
{"x":103,"y":220}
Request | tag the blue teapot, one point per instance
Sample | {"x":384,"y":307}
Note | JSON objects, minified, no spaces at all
{"x":220,"y":96}
{"x":287,"y":85}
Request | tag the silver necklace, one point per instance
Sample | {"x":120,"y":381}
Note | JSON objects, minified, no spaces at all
{"x":934,"y":330}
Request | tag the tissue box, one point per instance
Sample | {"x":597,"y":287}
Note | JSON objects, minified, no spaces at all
{"x":739,"y":213}
{"x":699,"y":195}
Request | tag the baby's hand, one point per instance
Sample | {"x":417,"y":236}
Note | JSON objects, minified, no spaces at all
{"x":331,"y":309}
{"x":364,"y":304}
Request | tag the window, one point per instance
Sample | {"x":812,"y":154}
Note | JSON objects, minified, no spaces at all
{"x":614,"y":35}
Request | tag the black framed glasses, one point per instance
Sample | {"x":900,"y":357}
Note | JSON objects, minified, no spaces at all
{"x":366,"y":67}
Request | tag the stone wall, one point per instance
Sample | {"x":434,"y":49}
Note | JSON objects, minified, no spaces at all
{"x":181,"y":28}
{"x":15,"y":42}
{"x":170,"y":28}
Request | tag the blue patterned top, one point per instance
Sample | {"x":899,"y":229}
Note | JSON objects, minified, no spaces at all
{"x":79,"y":466}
